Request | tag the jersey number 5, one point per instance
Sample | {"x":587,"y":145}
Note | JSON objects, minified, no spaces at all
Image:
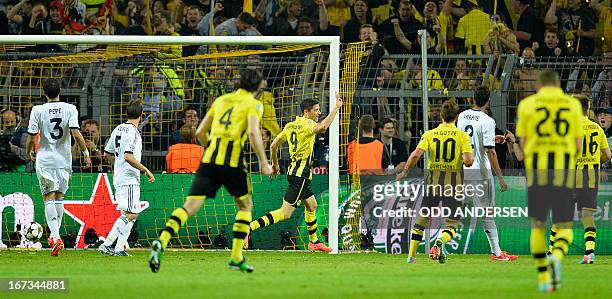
{"x":226,"y":118}
{"x":57,"y":127}
{"x":117,"y":145}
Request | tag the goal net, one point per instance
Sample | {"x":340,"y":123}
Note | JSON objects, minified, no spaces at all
{"x":100,"y":75}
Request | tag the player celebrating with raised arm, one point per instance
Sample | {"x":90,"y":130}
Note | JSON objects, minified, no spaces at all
{"x":230,"y":119}
{"x":123,"y":151}
{"x":595,"y":150}
{"x":449,"y":148}
{"x":481,"y":129}
{"x":300,"y":134}
{"x":53,"y":120}
{"x":550,"y":128}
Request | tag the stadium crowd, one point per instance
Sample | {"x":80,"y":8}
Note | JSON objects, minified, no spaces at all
{"x":550,"y":28}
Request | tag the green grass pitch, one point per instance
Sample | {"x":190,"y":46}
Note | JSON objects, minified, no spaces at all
{"x":200,"y":274}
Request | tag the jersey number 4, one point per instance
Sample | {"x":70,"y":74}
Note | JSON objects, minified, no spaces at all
{"x":226,"y":118}
{"x":57,"y":127}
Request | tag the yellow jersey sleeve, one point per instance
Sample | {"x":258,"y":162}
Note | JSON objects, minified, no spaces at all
{"x":578,"y":118}
{"x":466,"y":147}
{"x":283,"y":134}
{"x":211,"y":110}
{"x":256,"y":109}
{"x":460,"y":33}
{"x":309,"y":130}
{"x":424,"y":143}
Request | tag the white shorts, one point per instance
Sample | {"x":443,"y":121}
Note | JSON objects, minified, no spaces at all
{"x":53,"y":179}
{"x":128,"y":198}
{"x":484,"y":195}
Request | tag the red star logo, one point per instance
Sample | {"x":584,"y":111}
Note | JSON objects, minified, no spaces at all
{"x":99,"y":212}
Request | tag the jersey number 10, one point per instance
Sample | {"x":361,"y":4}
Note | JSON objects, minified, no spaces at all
{"x":448,"y":149}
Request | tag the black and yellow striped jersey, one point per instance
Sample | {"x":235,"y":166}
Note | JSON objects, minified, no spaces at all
{"x":445,"y":145}
{"x":228,"y":133}
{"x":301,"y":138}
{"x":589,"y":159}
{"x":550,"y":121}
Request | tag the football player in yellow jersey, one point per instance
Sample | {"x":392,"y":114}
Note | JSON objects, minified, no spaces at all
{"x":230,"y":119}
{"x":449,"y":149}
{"x":595,"y":150}
{"x":550,"y":128}
{"x":300,"y":134}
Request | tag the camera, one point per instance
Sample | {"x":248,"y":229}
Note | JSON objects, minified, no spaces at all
{"x":87,"y":135}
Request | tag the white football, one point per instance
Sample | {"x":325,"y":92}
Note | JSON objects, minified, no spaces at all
{"x":33,"y":231}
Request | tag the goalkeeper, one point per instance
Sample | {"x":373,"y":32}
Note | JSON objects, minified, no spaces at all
{"x":300,"y":134}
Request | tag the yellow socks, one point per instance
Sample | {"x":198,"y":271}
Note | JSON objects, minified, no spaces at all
{"x":179,"y":218}
{"x":417,"y":236}
{"x":538,"y":249}
{"x":241,"y":229}
{"x":272,"y":217}
{"x":311,"y":225}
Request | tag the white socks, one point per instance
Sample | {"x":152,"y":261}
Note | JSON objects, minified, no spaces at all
{"x":124,"y":234}
{"x":52,"y":219}
{"x":491,"y":230}
{"x":120,"y":232}
{"x":59,"y":208}
{"x":114,"y":233}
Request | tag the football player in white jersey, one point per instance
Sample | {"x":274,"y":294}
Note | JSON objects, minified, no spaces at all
{"x":481,"y":129}
{"x":124,"y":150}
{"x":55,"y":121}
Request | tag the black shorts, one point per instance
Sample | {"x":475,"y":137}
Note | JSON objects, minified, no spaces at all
{"x":298,"y":190}
{"x":586,"y":198}
{"x":559,"y":200}
{"x":210,"y":178}
{"x":447,"y":202}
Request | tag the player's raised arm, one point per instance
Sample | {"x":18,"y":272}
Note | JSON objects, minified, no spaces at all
{"x":257,"y":144}
{"x":323,"y":125}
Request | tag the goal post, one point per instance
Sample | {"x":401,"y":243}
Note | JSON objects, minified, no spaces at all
{"x":332,"y":75}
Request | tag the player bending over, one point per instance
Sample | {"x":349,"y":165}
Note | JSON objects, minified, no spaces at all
{"x":123,"y":151}
{"x":300,"y":134}
{"x":481,"y":129}
{"x":55,"y":121}
{"x":230,"y":119}
{"x":595,"y":150}
{"x":449,"y":148}
{"x":550,"y":127}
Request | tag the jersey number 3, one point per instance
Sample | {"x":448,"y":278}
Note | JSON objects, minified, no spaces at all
{"x":57,"y":127}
